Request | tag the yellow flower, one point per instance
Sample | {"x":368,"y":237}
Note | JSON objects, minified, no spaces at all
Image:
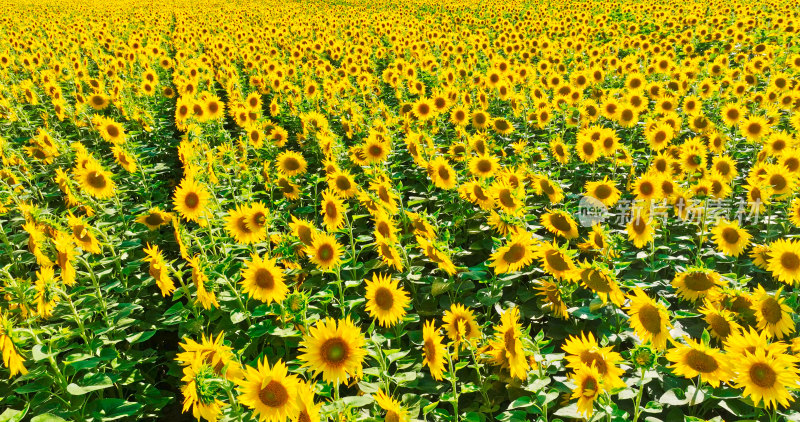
{"x":262,"y":279}
{"x":335,"y":349}
{"x":433,"y":349}
{"x":506,"y":347}
{"x":695,"y":359}
{"x":270,"y":391}
{"x":650,"y":320}
{"x":386,"y":301}
{"x":459,"y":323}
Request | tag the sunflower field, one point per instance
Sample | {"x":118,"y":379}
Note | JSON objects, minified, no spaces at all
{"x":417,"y":210}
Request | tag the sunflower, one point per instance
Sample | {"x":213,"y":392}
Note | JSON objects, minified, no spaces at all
{"x":386,"y":195}
{"x":196,"y":392}
{"x":506,"y":347}
{"x":588,"y":387}
{"x":560,"y":223}
{"x":236,"y":223}
{"x":730,"y":238}
{"x":336,"y":349}
{"x":442,"y":173}
{"x":647,"y":187}
{"x":213,"y":351}
{"x":552,"y":299}
{"x":597,"y":240}
{"x":262,"y":279}
{"x":459,"y":116}
{"x":639,"y":229}
{"x":584,"y":351}
{"x":604,"y":191}
{"x":333,"y":210}
{"x":600,"y":280}
{"x":514,"y":255}
{"x":608,"y":142}
{"x":95,"y":180}
{"x":47,"y":295}
{"x":766,"y":377}
{"x":544,"y":186}
{"x":270,"y":391}
{"x":423,"y":109}
{"x":394,"y":411}
{"x":386,"y":301}
{"x":480,"y":119}
{"x":386,"y":227}
{"x":289,"y":189}
{"x":754,"y":128}
{"x":158,"y":270}
{"x":780,"y":179}
{"x":502,"y":126}
{"x":309,"y":411}
{"x":343,"y":184}
{"x":388,"y":252}
{"x":507,"y":198}
{"x":747,"y":342}
{"x":154,"y":218}
{"x":560,"y":150}
{"x":11,"y":357}
{"x":291,"y":163}
{"x":325,"y":252}
{"x":459,"y":324}
{"x":784,"y":260}
{"x":191,"y":199}
{"x":483,"y":166}
{"x":695,"y":283}
{"x":474,"y":192}
{"x":772,"y":314}
{"x":433,"y":350}
{"x":794,"y":212}
{"x":650,"y":320}
{"x":721,"y":322}
{"x":124,"y":159}
{"x":732,"y":113}
{"x":588,"y":150}
{"x":725,"y":167}
{"x":555,"y":260}
{"x":204,"y":286}
{"x":695,"y":359}
{"x":257,"y":221}
{"x":376,"y":150}
{"x":82,"y":234}
{"x":303,"y":230}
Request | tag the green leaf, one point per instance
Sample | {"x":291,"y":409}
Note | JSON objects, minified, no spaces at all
{"x":113,"y":409}
{"x":13,"y":415}
{"x":98,"y":383}
{"x":140,"y":337}
{"x":671,"y":398}
{"x":358,"y":401}
{"x":429,"y":407}
{"x":47,"y":417}
{"x":521,"y":402}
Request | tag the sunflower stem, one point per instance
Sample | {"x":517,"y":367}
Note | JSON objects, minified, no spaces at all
{"x":453,"y":383}
{"x":340,"y":286}
{"x":239,"y":299}
{"x":637,"y":411}
{"x":98,"y":291}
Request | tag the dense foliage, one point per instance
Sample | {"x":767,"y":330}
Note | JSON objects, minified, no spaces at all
{"x":429,"y":210}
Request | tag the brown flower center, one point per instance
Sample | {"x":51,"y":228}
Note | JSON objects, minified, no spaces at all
{"x":274,"y":394}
